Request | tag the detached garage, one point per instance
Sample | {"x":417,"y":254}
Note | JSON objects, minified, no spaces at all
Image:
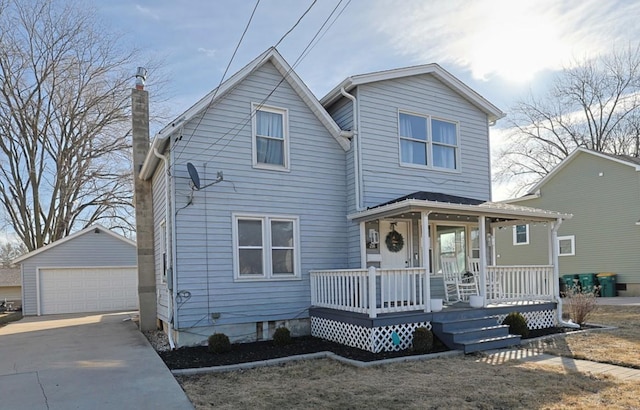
{"x":93,"y":270}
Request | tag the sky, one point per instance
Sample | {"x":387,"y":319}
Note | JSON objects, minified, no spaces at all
{"x":503,"y":49}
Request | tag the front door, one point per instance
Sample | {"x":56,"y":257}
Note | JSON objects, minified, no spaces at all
{"x":394,"y":254}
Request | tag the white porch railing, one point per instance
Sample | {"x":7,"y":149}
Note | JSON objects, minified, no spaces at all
{"x":376,"y":291}
{"x":370,"y":291}
{"x":520,"y":283}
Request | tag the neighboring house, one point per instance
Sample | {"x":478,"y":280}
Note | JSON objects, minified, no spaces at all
{"x":91,"y":270}
{"x":602,"y":191}
{"x":298,"y":197}
{"x":10,"y":289}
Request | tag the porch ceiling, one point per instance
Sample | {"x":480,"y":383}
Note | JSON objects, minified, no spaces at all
{"x":495,"y":210}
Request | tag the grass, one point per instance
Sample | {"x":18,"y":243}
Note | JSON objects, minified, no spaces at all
{"x":618,"y":346}
{"x":464,"y":382}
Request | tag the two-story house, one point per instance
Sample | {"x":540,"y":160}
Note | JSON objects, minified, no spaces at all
{"x":331,"y":217}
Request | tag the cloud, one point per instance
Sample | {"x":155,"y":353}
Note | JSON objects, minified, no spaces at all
{"x":147,"y":12}
{"x":209,"y":52}
{"x":511,"y":39}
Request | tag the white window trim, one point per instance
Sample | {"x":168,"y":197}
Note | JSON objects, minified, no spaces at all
{"x":255,"y":107}
{"x":515,"y":235}
{"x":267,"y":248}
{"x":571,"y":238}
{"x":429,"y":142}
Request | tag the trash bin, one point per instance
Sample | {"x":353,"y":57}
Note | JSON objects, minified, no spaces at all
{"x":588,"y":282}
{"x":570,"y":281}
{"x":607,"y":284}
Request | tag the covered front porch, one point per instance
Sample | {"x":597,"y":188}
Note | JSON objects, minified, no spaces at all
{"x":406,"y":248}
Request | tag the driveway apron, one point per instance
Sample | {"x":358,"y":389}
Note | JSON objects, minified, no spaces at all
{"x":89,"y":361}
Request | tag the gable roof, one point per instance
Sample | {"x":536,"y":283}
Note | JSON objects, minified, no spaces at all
{"x":10,"y":277}
{"x":620,"y":159}
{"x":71,"y":237}
{"x":271,"y":55}
{"x":493,"y":112}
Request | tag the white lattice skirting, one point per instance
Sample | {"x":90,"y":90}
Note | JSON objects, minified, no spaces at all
{"x":375,"y":339}
{"x":539,"y":319}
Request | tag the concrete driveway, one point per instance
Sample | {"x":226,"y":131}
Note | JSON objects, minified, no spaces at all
{"x":90,"y":361}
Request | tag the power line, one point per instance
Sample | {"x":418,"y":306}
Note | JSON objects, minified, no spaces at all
{"x":223,"y":76}
{"x":243,"y":123}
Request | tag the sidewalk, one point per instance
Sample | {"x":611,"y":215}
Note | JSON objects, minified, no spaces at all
{"x":569,"y":364}
{"x":535,"y":355}
{"x":617,"y":301}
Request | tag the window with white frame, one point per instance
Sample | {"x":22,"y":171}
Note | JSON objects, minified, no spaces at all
{"x":266,"y":247}
{"x":427,"y":141}
{"x":566,"y":245}
{"x":270,"y":137}
{"x":521,"y":235}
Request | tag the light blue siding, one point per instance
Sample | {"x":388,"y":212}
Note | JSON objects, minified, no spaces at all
{"x":87,"y":250}
{"x":314,"y":190}
{"x":159,"y":215}
{"x":384,"y":178}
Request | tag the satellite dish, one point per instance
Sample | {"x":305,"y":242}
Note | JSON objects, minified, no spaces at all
{"x":193,"y":174}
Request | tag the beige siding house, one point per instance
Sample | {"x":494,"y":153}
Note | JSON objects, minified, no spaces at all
{"x":603,"y":193}
{"x":10,"y":286}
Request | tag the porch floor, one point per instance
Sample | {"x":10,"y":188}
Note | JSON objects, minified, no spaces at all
{"x":414,"y":316}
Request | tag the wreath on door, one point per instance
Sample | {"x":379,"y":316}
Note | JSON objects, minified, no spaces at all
{"x":394,"y":240}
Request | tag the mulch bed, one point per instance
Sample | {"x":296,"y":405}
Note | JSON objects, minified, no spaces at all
{"x":199,"y":356}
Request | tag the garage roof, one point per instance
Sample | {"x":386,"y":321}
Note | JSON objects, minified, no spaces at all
{"x":92,"y":228}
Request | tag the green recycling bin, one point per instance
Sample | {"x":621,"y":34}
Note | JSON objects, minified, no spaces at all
{"x":607,"y":284}
{"x":570,"y":281}
{"x":588,"y":282}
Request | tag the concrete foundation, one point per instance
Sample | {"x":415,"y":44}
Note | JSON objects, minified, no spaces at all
{"x":240,"y":332}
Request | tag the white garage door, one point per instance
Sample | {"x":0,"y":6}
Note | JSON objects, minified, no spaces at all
{"x":88,"y":290}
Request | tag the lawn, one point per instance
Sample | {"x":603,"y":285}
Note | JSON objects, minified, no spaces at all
{"x":462,"y":382}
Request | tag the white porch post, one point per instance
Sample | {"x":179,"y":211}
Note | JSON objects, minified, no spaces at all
{"x":482,"y":228}
{"x":426,"y":244}
{"x":372,"y":292}
{"x":553,"y":256}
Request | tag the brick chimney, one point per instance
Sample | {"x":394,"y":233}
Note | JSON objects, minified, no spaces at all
{"x":143,"y":204}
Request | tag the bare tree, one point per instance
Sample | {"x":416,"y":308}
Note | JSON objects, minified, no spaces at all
{"x":64,"y":121}
{"x":9,"y":251}
{"x":595,"y":104}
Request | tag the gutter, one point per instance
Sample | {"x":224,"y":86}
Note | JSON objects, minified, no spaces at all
{"x":356,"y":149}
{"x":168,"y":249}
{"x":556,"y":275}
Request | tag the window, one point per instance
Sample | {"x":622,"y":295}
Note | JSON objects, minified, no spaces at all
{"x":270,"y":141}
{"x":266,"y":247}
{"x":566,"y":245}
{"x":426,"y":141}
{"x":163,"y":248}
{"x":521,"y":235}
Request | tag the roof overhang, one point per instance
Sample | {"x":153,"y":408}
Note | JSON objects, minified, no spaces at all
{"x":493,"y":112}
{"x":496,"y":210}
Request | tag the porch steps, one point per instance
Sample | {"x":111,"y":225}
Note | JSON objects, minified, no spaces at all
{"x":473,"y":334}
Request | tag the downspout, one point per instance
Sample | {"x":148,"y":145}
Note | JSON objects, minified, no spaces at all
{"x":356,"y":149}
{"x":556,"y":274}
{"x":169,"y":257}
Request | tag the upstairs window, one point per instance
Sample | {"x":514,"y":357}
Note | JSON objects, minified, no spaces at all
{"x":429,"y":142}
{"x":270,"y":139}
{"x":521,"y":235}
